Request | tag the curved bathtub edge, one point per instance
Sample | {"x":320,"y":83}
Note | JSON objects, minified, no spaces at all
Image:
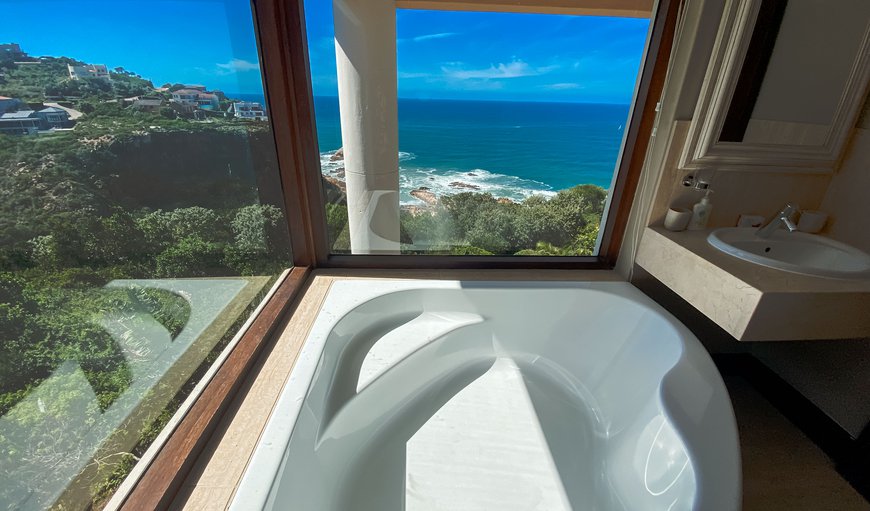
{"x":698,"y":406}
{"x":685,"y":391}
{"x":268,"y":459}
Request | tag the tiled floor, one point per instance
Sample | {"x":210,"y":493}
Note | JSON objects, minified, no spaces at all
{"x":782,"y":469}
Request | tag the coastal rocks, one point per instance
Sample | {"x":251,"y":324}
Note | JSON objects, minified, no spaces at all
{"x":334,"y":190}
{"x":425,"y":195}
{"x":338,"y":156}
{"x":463,"y":186}
{"x":504,"y":200}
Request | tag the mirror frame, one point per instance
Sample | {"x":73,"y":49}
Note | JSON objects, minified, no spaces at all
{"x":703,"y":148}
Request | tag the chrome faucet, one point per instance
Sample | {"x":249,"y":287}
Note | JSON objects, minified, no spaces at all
{"x":783,"y":217}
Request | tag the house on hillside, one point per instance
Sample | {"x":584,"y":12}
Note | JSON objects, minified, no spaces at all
{"x":200,"y":88}
{"x":196,"y":99}
{"x":185,"y":96}
{"x":10,"y":104}
{"x":98,"y":71}
{"x":208,"y":101}
{"x":11,"y":50}
{"x":248,"y":110}
{"x":147,"y":104}
{"x":24,"y":122}
{"x":53,"y":118}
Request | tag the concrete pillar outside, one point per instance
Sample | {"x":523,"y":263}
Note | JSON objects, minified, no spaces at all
{"x":365,"y":50}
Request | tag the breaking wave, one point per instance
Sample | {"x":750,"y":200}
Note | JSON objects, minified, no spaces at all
{"x":448,"y":182}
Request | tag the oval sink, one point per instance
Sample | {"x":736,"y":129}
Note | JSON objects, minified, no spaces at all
{"x":796,"y":252}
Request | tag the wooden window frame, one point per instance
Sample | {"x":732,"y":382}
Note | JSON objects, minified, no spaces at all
{"x":280,"y":29}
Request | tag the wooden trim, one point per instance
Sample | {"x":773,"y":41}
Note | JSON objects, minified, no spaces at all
{"x":622,"y":8}
{"x":655,"y":70}
{"x":754,"y":68}
{"x":284,"y":59}
{"x":159,"y":484}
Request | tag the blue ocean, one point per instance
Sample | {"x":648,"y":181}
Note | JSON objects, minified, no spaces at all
{"x":510,"y":149}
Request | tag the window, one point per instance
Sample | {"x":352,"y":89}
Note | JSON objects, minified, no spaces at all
{"x":509,"y":128}
{"x":141,"y":223}
{"x":144,"y":213}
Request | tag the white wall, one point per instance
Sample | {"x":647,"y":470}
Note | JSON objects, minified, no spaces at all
{"x":817,"y":35}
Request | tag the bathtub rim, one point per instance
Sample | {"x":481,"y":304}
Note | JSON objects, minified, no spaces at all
{"x":267,"y":462}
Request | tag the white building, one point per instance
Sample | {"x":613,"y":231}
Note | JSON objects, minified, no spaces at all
{"x":248,"y":110}
{"x":99,"y":71}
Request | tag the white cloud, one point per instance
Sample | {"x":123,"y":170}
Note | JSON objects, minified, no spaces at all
{"x":429,"y":37}
{"x":237,"y":66}
{"x":410,"y":75}
{"x":515,"y":69}
{"x":563,"y":86}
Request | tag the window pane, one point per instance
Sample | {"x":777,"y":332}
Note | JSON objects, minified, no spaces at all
{"x":141,"y":223}
{"x":510,"y":127}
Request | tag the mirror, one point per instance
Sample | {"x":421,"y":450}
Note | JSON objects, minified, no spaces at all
{"x":785,"y":83}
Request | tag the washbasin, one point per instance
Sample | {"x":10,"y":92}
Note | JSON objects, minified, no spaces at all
{"x":797,"y":252}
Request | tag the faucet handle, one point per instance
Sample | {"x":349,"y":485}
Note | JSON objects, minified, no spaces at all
{"x":790,"y":209}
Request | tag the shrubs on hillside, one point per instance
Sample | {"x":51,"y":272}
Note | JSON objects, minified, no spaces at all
{"x":471,"y":223}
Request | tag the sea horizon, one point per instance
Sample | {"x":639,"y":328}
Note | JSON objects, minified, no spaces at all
{"x":511,"y":149}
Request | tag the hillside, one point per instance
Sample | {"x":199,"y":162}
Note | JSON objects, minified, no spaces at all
{"x":47,"y":77}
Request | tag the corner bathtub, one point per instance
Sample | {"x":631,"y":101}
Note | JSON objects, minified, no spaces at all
{"x":436,"y":395}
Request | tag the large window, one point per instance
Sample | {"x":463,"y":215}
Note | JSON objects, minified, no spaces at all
{"x":509,"y":127}
{"x":141,"y":223}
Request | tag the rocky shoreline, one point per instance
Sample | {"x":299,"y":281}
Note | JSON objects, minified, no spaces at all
{"x":335,"y":190}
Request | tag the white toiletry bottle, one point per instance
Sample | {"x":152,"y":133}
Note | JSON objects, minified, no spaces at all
{"x":701,"y":213}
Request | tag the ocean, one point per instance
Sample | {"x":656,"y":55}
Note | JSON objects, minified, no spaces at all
{"x":510,"y":149}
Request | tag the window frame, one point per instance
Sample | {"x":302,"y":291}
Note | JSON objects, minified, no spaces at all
{"x":283,"y":50}
{"x":627,"y":175}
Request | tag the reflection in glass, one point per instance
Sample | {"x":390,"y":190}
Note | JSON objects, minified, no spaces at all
{"x":141,"y":223}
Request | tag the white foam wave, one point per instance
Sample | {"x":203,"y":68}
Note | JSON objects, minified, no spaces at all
{"x":449,"y":182}
{"x":330,"y":167}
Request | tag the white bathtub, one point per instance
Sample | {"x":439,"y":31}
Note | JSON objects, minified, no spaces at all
{"x":434,"y":395}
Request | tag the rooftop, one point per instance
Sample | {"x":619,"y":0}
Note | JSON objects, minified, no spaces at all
{"x":23,"y":114}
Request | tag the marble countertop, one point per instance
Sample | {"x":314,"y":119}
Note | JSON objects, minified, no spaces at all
{"x":750,"y":301}
{"x":767,"y":280}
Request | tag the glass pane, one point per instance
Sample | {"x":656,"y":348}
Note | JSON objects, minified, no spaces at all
{"x":510,"y":127}
{"x":141,"y":223}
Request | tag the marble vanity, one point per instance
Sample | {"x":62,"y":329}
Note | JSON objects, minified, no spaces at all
{"x":750,"y":301}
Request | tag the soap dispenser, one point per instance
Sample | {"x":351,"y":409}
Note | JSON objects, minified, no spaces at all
{"x":701,"y":210}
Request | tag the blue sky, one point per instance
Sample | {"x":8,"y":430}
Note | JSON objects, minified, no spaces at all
{"x":207,"y":42}
{"x":449,"y":55}
{"x":498,"y":56}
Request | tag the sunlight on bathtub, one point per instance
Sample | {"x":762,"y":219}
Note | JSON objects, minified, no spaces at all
{"x":484,"y":449}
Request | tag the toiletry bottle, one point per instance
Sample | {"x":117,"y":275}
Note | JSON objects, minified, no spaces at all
{"x":701,"y":213}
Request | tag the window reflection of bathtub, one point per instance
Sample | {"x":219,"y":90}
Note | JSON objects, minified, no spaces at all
{"x":58,"y":440}
{"x":423,"y":395}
